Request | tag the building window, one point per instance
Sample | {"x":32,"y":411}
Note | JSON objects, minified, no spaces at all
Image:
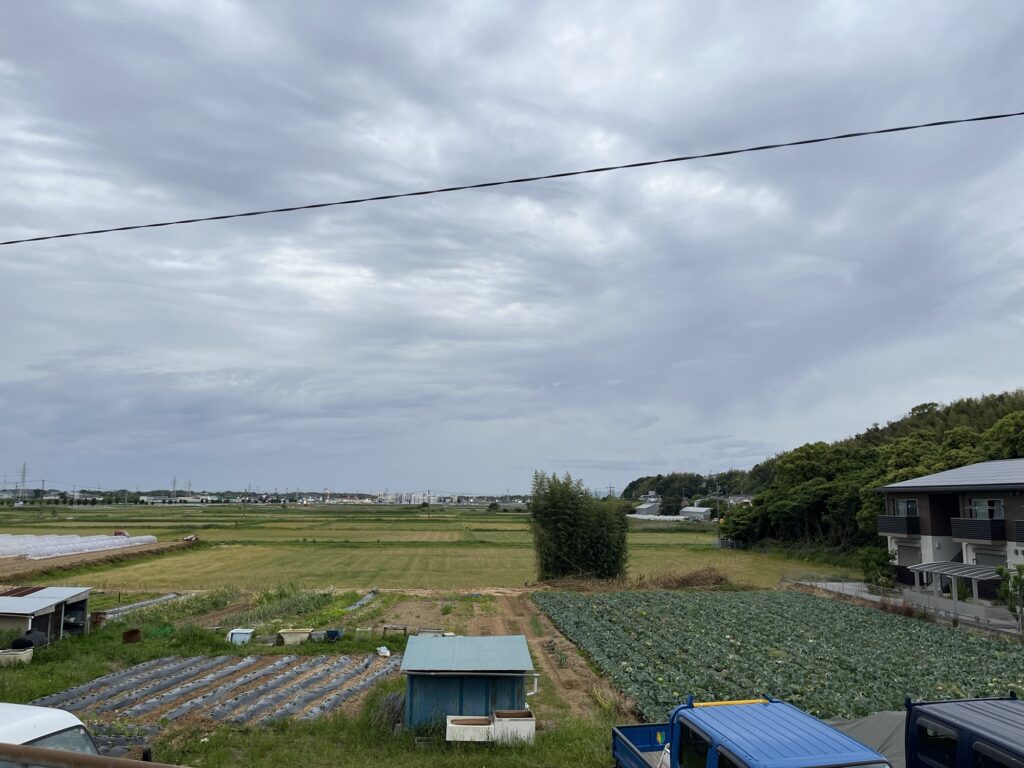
{"x":984,"y":509}
{"x":905,"y":507}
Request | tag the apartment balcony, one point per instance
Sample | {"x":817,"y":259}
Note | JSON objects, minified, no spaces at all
{"x":970,"y":529}
{"x":1019,"y":532}
{"x":894,"y":525}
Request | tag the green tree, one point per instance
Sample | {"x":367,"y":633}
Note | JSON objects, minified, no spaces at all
{"x":960,"y":446}
{"x":1012,"y":591}
{"x":574,"y":534}
{"x":1005,"y":439}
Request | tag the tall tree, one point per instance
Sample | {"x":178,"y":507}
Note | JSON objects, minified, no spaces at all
{"x":574,"y":534}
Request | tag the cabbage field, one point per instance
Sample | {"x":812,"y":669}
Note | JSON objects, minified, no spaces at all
{"x":831,"y":658}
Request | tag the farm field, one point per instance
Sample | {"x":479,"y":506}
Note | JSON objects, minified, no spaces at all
{"x":828,"y":657}
{"x":361,"y":547}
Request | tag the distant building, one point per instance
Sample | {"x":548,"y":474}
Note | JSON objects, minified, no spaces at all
{"x":697,"y":514}
{"x":740,"y":501}
{"x":650,"y":508}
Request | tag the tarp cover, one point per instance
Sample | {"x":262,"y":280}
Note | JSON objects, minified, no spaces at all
{"x":882,"y":731}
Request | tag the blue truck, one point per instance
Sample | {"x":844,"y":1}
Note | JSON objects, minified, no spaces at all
{"x":753,"y":733}
{"x":767,"y":733}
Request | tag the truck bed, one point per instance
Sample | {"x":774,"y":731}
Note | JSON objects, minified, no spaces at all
{"x":639,"y":746}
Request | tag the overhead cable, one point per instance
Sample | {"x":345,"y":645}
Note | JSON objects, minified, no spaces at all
{"x":522,"y":180}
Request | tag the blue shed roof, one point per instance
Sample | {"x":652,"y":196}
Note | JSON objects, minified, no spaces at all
{"x":778,"y":735}
{"x":506,"y":653}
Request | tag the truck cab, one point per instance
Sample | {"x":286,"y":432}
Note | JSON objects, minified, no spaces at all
{"x":753,"y":733}
{"x":43,"y":727}
{"x":980,"y":733}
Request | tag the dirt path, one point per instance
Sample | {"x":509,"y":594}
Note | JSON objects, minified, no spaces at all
{"x":214,"y":619}
{"x":556,"y":658}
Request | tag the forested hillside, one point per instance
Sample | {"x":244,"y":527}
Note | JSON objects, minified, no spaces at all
{"x":824,"y":492}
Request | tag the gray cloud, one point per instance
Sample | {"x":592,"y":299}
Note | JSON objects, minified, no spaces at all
{"x":689,"y":317}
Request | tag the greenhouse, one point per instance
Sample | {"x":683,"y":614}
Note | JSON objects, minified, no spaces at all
{"x":42,"y":547}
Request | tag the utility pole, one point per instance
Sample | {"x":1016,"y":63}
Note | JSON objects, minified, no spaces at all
{"x":21,"y":492}
{"x":174,"y":489}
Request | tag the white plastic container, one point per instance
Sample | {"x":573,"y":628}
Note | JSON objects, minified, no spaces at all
{"x":240,"y":636}
{"x":16,"y":656}
{"x":465,"y":728}
{"x":514,"y":725}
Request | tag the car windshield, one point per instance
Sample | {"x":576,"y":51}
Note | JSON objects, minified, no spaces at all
{"x":75,"y":739}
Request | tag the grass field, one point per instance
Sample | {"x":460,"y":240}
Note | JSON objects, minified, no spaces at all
{"x":360,"y":547}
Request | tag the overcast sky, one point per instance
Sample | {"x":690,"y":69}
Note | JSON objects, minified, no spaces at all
{"x":688,"y":317}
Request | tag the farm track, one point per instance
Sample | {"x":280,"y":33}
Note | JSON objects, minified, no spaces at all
{"x":249,"y":689}
{"x":556,"y":657}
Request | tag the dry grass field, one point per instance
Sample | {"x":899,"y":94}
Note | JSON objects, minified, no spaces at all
{"x":359,"y":547}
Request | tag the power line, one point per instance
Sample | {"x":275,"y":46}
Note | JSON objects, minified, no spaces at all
{"x":522,"y":180}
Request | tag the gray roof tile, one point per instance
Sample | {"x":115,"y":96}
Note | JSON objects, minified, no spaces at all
{"x":1004,"y":473}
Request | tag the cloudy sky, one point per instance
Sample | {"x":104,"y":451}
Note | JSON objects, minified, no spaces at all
{"x":688,"y":317}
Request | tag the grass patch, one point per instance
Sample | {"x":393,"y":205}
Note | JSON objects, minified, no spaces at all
{"x":364,"y":740}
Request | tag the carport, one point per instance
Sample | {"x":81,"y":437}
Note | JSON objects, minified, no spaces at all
{"x":954,"y":571}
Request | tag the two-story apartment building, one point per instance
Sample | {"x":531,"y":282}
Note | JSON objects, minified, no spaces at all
{"x":969,"y":516}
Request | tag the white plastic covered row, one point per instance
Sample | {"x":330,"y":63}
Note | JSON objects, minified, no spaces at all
{"x":42,"y":547}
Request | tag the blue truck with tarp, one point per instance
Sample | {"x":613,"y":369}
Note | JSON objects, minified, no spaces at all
{"x":753,"y":733}
{"x":767,"y":733}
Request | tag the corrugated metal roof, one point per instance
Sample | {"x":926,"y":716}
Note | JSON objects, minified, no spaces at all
{"x":504,"y":653}
{"x":1001,"y":720}
{"x":967,"y":571}
{"x":1004,"y":473}
{"x":779,"y":735}
{"x":63,"y":593}
{"x":26,"y":606}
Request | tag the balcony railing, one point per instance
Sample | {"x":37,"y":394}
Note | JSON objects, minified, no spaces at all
{"x":900,"y":526}
{"x":978,"y":530}
{"x":1019,"y":533}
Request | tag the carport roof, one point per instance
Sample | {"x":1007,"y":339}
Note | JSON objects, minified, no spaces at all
{"x":960,"y":570}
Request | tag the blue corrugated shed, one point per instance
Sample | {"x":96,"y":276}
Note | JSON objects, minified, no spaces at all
{"x":470,"y":676}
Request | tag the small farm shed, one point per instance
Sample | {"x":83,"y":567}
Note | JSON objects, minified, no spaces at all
{"x":55,"y":611}
{"x":697,"y":513}
{"x":470,"y":676}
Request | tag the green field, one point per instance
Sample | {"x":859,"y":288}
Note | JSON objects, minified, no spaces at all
{"x":830,"y":658}
{"x":359,"y":547}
